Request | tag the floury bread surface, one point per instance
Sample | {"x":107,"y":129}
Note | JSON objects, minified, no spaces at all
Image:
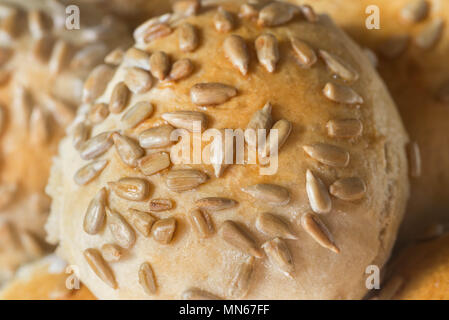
{"x":308,"y":231}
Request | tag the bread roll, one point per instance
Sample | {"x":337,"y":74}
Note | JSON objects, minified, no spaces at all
{"x":141,"y":225}
{"x":412,"y":59}
{"x":43,"y":66}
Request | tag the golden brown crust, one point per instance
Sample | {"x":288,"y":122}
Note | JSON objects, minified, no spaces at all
{"x":205,"y":250}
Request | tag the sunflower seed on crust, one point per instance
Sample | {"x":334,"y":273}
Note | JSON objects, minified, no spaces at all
{"x":414,"y":159}
{"x":283,"y":128}
{"x":188,"y":38}
{"x":395,"y":46}
{"x":237,"y":52}
{"x":90,"y":171}
{"x":344,"y":128}
{"x":338,"y":67}
{"x":100,"y":267}
{"x":186,"y":119}
{"x":211,"y":93}
{"x":98,"y":112}
{"x":305,"y":55}
{"x":146,"y":33}
{"x":157,"y":137}
{"x":147,"y":279}
{"x":138,"y":80}
{"x":238,"y":238}
{"x":115,"y":57}
{"x":122,"y":232}
{"x":163,"y":230}
{"x":308,"y":12}
{"x":137,"y":58}
{"x":341,"y":93}
{"x":279,"y":255}
{"x":159,"y":65}
{"x":201,"y":223}
{"x":198,"y":294}
{"x":154,"y":163}
{"x":96,"y":213}
{"x":137,"y":114}
{"x":180,"y":69}
{"x":319,"y":197}
{"x":414,"y":11}
{"x":142,"y":221}
{"x":248,"y":11}
{"x":276,"y":13}
{"x":119,"y":98}
{"x":328,"y":154}
{"x":185,"y":179}
{"x":272,"y":226}
{"x":241,"y":280}
{"x":215,"y":203}
{"x":318,"y":231}
{"x":96,"y":83}
{"x":111,"y":252}
{"x":134,"y":189}
{"x":223,"y":20}
{"x":348,"y":189}
{"x":186,"y":7}
{"x":88,"y":57}
{"x":96,"y":146}
{"x":429,"y":36}
{"x":267,"y":50}
{"x":261,"y":119}
{"x":272,"y":194}
{"x":158,"y":205}
{"x":128,"y":149}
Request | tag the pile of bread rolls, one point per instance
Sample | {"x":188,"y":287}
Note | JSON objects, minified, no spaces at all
{"x":113,"y":172}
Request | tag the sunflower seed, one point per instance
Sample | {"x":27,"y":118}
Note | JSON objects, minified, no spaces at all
{"x":158,"y":205}
{"x":273,"y":226}
{"x":443,"y":92}
{"x":318,"y":231}
{"x":97,"y":82}
{"x":272,"y":194}
{"x":128,"y":149}
{"x":215,"y":203}
{"x":305,"y":55}
{"x":280,"y":256}
{"x":241,"y":280}
{"x":238,"y":238}
{"x":211,"y":93}
{"x":430,"y":35}
{"x":414,"y":11}
{"x":115,"y":57}
{"x":345,"y":128}
{"x":111,"y":252}
{"x":163,"y":230}
{"x":157,"y":137}
{"x":5,"y":55}
{"x":159,"y":65}
{"x":137,"y":58}
{"x":338,"y":66}
{"x":188,"y":38}
{"x":98,"y":112}
{"x":146,"y":33}
{"x":39,"y":129}
{"x":248,"y":11}
{"x":201,"y":223}
{"x":7,"y":193}
{"x":96,"y":146}
{"x":59,"y":57}
{"x":90,"y":171}
{"x":186,"y":119}
{"x":223,"y":20}
{"x":348,"y":189}
{"x":341,"y":93}
{"x":236,"y":51}
{"x":181,"y":69}
{"x":283,"y":128}
{"x":219,"y":151}
{"x":119,"y":98}
{"x":154,"y":163}
{"x":138,"y":80}
{"x":96,"y":213}
{"x":276,"y":13}
{"x":186,"y":7}
{"x":198,"y":294}
{"x":414,"y":159}
{"x":89,"y":56}
{"x":142,"y":221}
{"x":261,"y":119}
{"x":100,"y":267}
{"x":134,"y":189}
{"x":185,"y":179}
{"x":395,"y":46}
{"x":308,"y":12}
{"x":328,"y":154}
{"x":267,"y":50}
{"x":319,"y":197}
{"x":122,"y":232}
{"x":146,"y":279}
{"x":136,"y":114}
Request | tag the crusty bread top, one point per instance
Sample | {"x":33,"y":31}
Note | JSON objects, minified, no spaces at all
{"x":240,"y":251}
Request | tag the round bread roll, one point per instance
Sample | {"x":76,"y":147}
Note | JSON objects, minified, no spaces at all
{"x":141,"y":223}
{"x":43,"y":67}
{"x":411,"y":45}
{"x":45,"y":279}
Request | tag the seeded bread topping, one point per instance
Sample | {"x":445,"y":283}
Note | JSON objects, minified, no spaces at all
{"x":42,"y":67}
{"x":224,"y":230}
